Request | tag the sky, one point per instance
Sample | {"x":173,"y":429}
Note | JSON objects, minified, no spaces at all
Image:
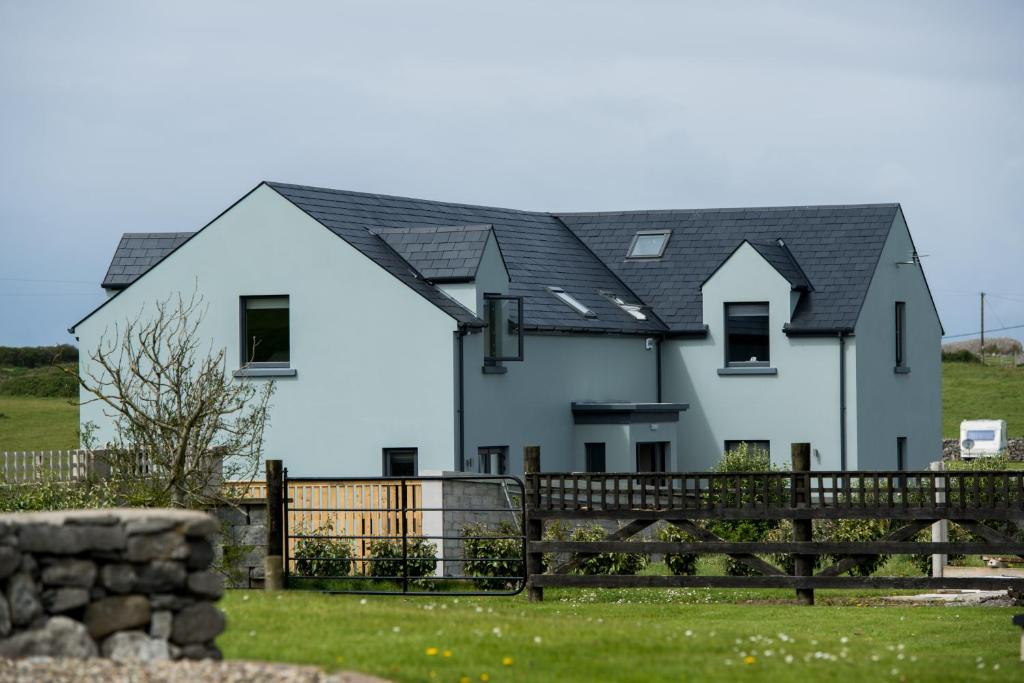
{"x":128,"y":116}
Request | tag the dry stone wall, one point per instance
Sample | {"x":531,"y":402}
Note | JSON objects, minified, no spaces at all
{"x":1014,"y":449}
{"x":126,"y":584}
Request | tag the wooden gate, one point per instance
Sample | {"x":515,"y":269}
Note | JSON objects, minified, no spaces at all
{"x":911,"y":501}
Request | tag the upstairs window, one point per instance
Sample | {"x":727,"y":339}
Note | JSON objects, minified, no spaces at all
{"x":400,"y":462}
{"x":746,"y":335}
{"x":648,"y":244}
{"x":901,"y":334}
{"x":265,"y":333}
{"x":572,"y":302}
{"x":636,"y":311}
{"x":503,"y":336}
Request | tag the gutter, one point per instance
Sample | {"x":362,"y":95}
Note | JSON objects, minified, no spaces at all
{"x":658,"y":341}
{"x":461,"y":413}
{"x":842,"y":401}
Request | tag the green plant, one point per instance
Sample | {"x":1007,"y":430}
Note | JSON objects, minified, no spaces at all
{"x":386,"y":558}
{"x":605,"y":563}
{"x":853,"y":531}
{"x":680,"y":564}
{"x":495,"y":555}
{"x":960,"y":356}
{"x":319,"y":553}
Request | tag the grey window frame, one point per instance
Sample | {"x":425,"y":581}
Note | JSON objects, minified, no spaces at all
{"x":587,"y":312}
{"x":243,"y":352}
{"x":483,"y":454}
{"x":648,"y":233}
{"x":587,"y":455}
{"x":663,"y":453}
{"x":753,"y":442}
{"x":900,"y":335}
{"x":725,"y":346}
{"x":519,"y":301}
{"x":901,"y":453}
{"x":386,"y":462}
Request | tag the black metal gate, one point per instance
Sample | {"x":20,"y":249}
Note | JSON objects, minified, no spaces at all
{"x":456,"y":534}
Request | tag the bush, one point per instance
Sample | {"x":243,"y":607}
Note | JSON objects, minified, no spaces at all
{"x":42,"y":382}
{"x":853,"y":531}
{"x":680,"y":564}
{"x":387,"y":558}
{"x":491,"y":553}
{"x":317,"y":554}
{"x":605,"y":563}
{"x":36,"y":356}
{"x":956,"y":534}
{"x":53,"y":495}
{"x":960,"y":356}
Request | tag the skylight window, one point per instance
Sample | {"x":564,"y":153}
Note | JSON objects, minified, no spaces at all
{"x":649,"y":244}
{"x":635,"y":310}
{"x":572,"y":302}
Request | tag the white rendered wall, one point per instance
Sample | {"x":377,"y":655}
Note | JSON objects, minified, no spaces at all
{"x":890,"y":404}
{"x":799,"y":404}
{"x":374,"y":358}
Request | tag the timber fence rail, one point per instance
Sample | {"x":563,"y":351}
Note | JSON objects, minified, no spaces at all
{"x":912,"y":501}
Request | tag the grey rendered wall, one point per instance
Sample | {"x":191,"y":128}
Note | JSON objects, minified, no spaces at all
{"x":799,"y":404}
{"x":889,"y":404}
{"x":531,"y":403}
{"x":374,"y":359}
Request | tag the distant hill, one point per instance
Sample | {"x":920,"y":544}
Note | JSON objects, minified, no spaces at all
{"x":974,"y":391}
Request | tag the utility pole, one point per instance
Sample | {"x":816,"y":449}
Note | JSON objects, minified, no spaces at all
{"x":981,"y":349}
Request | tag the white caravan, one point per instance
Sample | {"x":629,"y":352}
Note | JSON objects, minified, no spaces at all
{"x":982,"y":438}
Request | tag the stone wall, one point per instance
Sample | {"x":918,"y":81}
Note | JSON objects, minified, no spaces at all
{"x":463,"y":500}
{"x":241,"y":543}
{"x":119,"y":583}
{"x":1014,"y":449}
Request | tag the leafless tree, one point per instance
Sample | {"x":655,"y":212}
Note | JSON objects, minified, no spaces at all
{"x":180,"y":420}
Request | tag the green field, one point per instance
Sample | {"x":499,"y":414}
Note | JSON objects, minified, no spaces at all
{"x":623,"y":635}
{"x":973,"y":391}
{"x":28,"y":423}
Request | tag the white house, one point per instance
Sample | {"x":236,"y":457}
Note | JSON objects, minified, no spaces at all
{"x":409,"y":335}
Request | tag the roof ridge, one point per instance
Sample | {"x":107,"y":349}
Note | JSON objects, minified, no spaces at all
{"x":795,"y":207}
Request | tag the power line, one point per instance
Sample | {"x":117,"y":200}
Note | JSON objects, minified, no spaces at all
{"x":27,"y":279}
{"x":974,"y":334}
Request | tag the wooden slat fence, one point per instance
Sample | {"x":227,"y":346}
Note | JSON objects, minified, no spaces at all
{"x":358,"y":510}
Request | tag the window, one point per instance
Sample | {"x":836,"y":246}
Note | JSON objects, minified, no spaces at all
{"x":901,"y":334}
{"x":493,"y":460}
{"x":901,"y":453}
{"x":595,"y":457}
{"x":572,"y":302}
{"x":756,"y":444}
{"x":634,"y":310}
{"x":503,"y":336}
{"x":981,"y":434}
{"x":400,"y":462}
{"x":746,"y":335}
{"x":648,"y":244}
{"x":264,"y":333}
{"x":652,"y":456}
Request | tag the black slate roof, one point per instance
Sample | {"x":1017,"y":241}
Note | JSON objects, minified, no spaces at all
{"x":440,"y":252}
{"x":829,"y":251}
{"x":137,"y":252}
{"x":837,"y":247}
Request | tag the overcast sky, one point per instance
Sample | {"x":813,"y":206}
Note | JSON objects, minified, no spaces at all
{"x":142,"y":116}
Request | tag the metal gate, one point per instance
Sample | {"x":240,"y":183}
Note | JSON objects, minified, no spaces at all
{"x":456,"y":534}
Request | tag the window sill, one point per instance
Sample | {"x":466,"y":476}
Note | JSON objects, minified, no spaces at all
{"x":748,"y":371}
{"x":494,"y":369}
{"x":902,"y":369}
{"x":265,"y":372}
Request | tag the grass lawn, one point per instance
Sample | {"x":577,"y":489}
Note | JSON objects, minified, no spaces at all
{"x":623,"y":635}
{"x":30,"y":423}
{"x":971,"y":391}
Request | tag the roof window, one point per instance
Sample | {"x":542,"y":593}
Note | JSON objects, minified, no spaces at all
{"x":635,"y":310}
{"x":648,"y":244}
{"x":572,"y":302}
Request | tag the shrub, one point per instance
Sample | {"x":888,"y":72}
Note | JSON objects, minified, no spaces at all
{"x":42,"y":382}
{"x":956,"y":534}
{"x":53,"y":495}
{"x":318,"y":554}
{"x":680,"y":564}
{"x":853,"y":531}
{"x":36,"y":356}
{"x":960,"y":356}
{"x":386,"y":556}
{"x":491,"y":553}
{"x":605,"y":563}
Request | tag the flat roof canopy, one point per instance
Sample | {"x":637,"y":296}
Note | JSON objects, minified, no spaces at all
{"x":622,"y":412}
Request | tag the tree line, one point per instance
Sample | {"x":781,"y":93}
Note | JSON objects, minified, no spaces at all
{"x":37,"y":356}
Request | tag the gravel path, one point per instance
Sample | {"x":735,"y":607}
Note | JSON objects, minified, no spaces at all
{"x":47,"y":670}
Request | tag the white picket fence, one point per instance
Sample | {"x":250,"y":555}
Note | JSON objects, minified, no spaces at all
{"x":22,"y":467}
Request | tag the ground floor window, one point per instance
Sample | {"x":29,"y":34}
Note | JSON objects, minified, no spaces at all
{"x":901,"y":453}
{"x":755,"y":444}
{"x":595,"y":457}
{"x":652,"y":456}
{"x":400,"y":462}
{"x":492,"y":460}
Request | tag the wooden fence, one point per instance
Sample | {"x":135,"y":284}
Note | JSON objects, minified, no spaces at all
{"x":361,"y":510}
{"x":913,"y":501}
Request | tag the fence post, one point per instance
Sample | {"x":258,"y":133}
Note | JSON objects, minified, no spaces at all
{"x":273,"y":561}
{"x":940,"y":530}
{"x":534,"y":527}
{"x":803,"y":565}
